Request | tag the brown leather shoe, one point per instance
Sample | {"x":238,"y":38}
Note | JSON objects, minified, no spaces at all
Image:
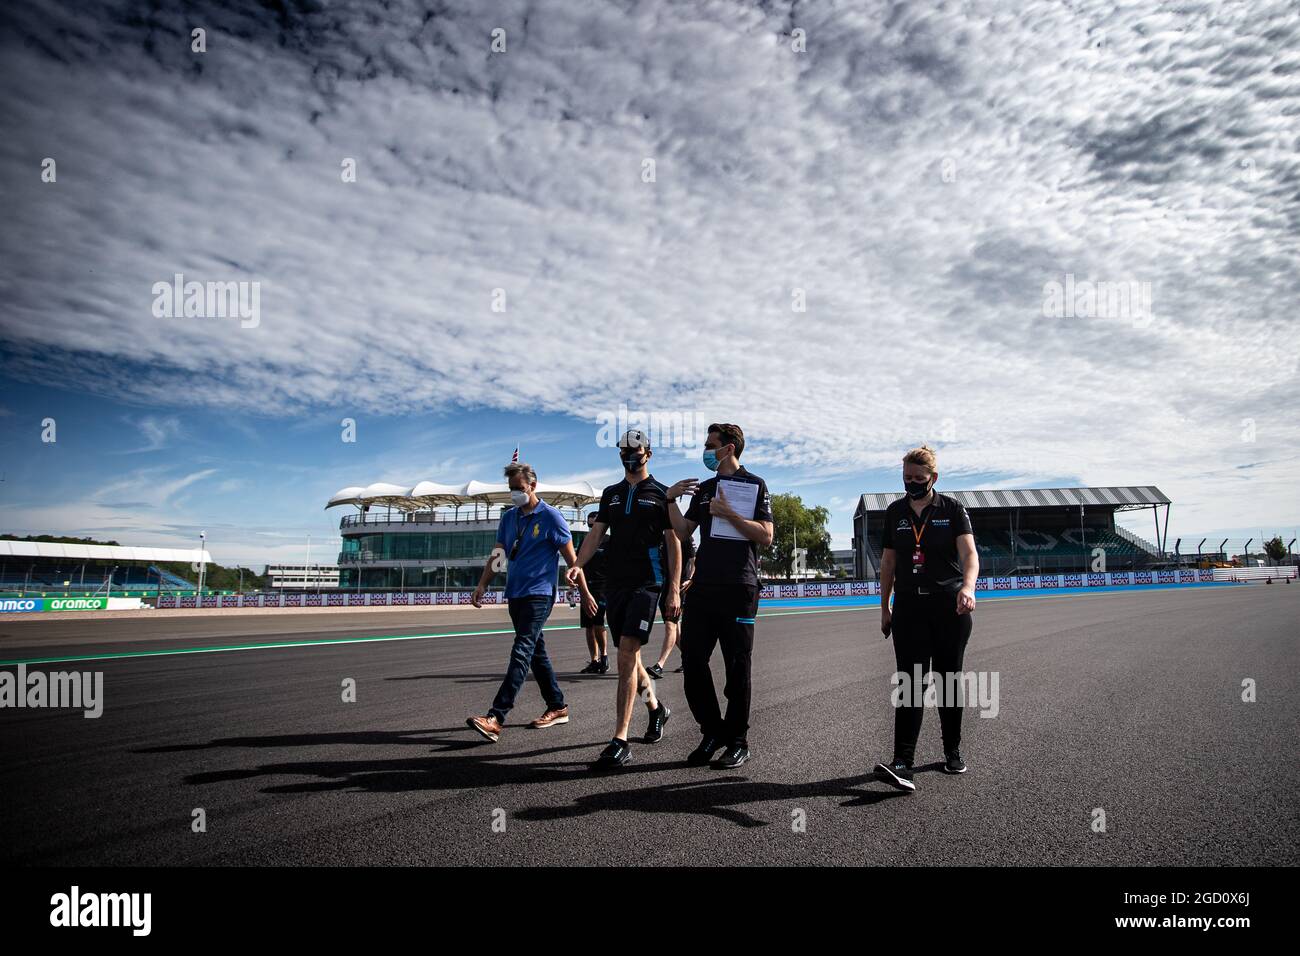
{"x":488,"y":726}
{"x":560,"y":715}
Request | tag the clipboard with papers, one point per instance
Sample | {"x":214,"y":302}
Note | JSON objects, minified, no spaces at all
{"x":743,"y":498}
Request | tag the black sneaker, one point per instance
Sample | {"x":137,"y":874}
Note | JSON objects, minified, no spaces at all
{"x":615,"y":755}
{"x":736,"y":755}
{"x":897,"y":774}
{"x":656,"y":672}
{"x":658,"y":717}
{"x":704,"y":752}
{"x":603,"y":667}
{"x":593,"y":667}
{"x":952,"y":761}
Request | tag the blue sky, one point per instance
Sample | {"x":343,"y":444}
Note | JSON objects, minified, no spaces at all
{"x":836,"y":224}
{"x":257,"y":484}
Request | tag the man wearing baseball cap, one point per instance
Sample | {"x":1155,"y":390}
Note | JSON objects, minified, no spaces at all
{"x":635,"y":511}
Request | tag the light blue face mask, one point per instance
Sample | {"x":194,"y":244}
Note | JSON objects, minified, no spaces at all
{"x":710,"y":459}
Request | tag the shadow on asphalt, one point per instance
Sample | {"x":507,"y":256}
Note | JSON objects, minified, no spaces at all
{"x":381,"y":737}
{"x":718,"y":797}
{"x":465,"y":763}
{"x":461,"y":762}
{"x":496,"y":678}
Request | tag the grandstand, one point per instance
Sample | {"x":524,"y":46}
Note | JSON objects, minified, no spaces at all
{"x":1035,"y":530}
{"x":53,"y":567}
{"x":433,"y":535}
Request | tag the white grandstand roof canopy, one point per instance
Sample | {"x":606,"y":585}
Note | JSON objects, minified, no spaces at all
{"x":1128,"y":496}
{"x":100,"y":552}
{"x":432,"y":494}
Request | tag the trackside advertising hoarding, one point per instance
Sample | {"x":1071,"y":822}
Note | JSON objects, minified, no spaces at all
{"x":809,"y":589}
{"x":28,"y":605}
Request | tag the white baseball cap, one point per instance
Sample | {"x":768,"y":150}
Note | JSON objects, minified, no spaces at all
{"x":634,"y":438}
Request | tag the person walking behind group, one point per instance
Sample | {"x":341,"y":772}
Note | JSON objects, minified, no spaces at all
{"x":673,"y":625}
{"x":531,"y":536}
{"x":594,"y":624}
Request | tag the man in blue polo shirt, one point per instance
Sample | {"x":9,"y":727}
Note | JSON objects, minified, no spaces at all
{"x":531,"y":536}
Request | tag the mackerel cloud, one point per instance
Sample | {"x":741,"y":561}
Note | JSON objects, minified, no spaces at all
{"x":920,"y":171}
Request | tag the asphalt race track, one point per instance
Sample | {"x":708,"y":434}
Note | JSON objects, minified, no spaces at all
{"x":1126,"y":702}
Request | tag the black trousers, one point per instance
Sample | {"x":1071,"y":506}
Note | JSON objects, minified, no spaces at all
{"x":928,"y":632}
{"x":719,"y":615}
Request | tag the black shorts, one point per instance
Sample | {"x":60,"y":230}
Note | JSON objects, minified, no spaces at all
{"x":593,"y":620}
{"x":631,"y":612}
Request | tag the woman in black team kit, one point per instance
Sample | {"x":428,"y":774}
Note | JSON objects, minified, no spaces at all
{"x":929,"y":564}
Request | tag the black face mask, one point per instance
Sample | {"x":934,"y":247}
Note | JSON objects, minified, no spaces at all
{"x":632,"y":462}
{"x":917,"y":489}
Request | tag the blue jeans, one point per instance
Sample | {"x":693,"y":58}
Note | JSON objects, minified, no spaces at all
{"x":528,"y":614}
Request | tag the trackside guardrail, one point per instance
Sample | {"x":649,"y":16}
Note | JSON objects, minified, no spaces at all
{"x":807,"y":589}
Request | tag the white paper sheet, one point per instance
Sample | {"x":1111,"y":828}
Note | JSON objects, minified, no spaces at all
{"x":743,"y":498}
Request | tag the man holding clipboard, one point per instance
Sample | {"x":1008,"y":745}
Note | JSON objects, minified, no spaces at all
{"x":734,"y":514}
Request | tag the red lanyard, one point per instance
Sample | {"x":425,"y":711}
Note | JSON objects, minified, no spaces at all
{"x":917,"y":534}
